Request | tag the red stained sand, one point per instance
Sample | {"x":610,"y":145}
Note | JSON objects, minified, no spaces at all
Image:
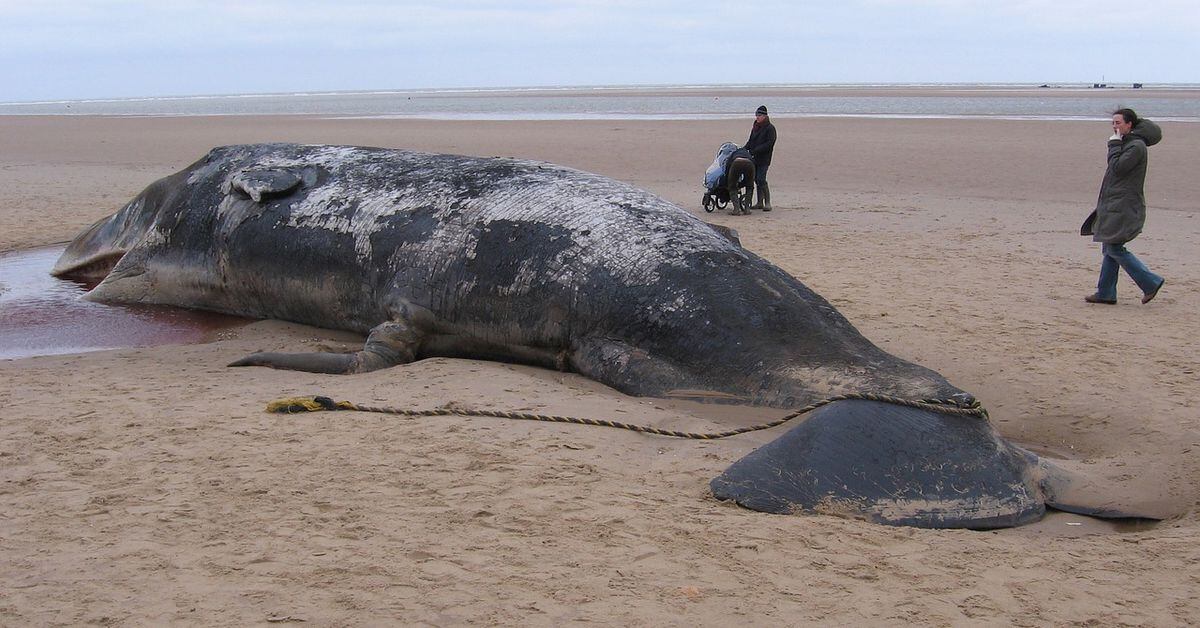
{"x":44,"y":315}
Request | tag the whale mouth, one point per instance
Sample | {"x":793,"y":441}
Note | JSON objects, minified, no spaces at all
{"x":91,"y":269}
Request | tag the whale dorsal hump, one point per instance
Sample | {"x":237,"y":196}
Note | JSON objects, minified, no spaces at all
{"x":260,"y":184}
{"x":726,"y":232}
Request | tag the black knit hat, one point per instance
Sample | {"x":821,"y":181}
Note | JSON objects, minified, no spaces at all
{"x":761,"y":109}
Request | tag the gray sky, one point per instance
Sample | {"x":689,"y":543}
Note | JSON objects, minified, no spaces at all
{"x":55,"y":49}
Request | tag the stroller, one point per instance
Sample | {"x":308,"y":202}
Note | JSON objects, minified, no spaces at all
{"x":716,"y":183}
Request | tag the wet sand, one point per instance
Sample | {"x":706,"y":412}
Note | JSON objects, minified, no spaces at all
{"x":147,"y":486}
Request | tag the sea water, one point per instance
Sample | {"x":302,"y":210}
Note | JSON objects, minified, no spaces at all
{"x":44,"y":315}
{"x":1175,"y":102}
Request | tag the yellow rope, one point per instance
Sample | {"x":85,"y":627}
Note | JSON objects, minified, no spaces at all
{"x":296,"y":405}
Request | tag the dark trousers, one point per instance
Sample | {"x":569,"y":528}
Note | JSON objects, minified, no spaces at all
{"x":760,"y":174}
{"x":741,"y":174}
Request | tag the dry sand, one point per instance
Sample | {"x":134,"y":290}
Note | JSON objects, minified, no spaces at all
{"x":147,"y":486}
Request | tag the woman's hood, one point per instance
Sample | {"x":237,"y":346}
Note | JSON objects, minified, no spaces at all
{"x":1150,"y":132}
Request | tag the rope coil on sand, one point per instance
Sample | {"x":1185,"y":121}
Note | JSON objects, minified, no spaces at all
{"x":296,"y":405}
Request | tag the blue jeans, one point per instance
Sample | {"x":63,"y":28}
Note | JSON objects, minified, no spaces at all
{"x":1116,"y":257}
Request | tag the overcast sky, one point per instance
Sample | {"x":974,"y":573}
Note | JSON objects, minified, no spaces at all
{"x":58,"y":49}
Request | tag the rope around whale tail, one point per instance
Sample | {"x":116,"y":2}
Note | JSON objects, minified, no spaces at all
{"x":296,"y":405}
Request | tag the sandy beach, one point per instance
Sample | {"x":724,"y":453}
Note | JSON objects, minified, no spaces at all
{"x":147,"y":486}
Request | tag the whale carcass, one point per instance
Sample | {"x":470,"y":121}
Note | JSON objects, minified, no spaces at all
{"x":528,"y":262}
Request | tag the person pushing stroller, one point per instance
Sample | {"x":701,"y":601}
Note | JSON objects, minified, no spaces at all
{"x":761,"y":145}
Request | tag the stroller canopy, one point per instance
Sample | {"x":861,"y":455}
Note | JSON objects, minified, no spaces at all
{"x":712,"y":176}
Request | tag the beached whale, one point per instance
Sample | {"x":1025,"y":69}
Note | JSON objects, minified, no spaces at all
{"x":528,"y":262}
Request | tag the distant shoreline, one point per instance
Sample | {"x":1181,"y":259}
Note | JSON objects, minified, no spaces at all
{"x":1067,"y":102}
{"x":696,"y":89}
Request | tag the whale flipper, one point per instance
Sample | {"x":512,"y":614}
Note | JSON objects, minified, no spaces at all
{"x":389,"y":344}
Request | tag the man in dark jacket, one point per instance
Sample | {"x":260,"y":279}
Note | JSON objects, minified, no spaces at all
{"x":1121,"y":208}
{"x":761,"y":144}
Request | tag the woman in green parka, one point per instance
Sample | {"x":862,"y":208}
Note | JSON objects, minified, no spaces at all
{"x":1121,"y":209}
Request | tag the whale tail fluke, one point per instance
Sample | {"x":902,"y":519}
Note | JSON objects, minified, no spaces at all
{"x":890,"y":464}
{"x":1074,"y":490}
{"x":901,"y":465}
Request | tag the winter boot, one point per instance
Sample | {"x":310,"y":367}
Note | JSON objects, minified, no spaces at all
{"x":764,"y":196}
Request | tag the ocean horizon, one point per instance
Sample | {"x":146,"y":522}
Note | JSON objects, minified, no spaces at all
{"x":1049,"y":101}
